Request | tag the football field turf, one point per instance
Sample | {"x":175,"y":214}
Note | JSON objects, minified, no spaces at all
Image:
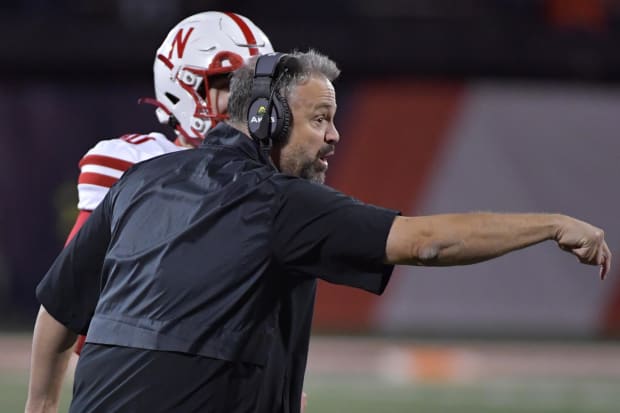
{"x":362,"y":376}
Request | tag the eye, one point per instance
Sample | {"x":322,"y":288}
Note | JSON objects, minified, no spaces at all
{"x":320,"y":118}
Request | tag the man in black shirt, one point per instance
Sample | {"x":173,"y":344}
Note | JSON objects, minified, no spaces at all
{"x":195,"y":277}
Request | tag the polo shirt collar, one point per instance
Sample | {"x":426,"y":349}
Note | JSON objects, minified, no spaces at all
{"x":225,"y":135}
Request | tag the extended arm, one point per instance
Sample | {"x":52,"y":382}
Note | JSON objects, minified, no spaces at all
{"x":68,"y":294}
{"x":51,"y":350}
{"x":457,"y":239}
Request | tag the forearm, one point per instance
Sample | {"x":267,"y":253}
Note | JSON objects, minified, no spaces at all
{"x":456,"y":239}
{"x":51,"y":349}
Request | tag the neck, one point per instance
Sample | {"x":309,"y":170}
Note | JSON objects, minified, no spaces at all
{"x":240,"y":126}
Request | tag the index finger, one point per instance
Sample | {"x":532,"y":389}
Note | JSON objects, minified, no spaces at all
{"x":606,"y":264}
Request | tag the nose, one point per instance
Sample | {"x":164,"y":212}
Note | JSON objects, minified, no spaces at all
{"x":332,"y":136}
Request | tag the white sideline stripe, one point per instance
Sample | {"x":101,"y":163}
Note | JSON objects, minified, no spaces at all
{"x":103,"y":170}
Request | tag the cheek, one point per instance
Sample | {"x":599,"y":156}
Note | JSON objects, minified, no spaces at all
{"x":299,"y":144}
{"x":219,"y":100}
{"x":294,"y":153}
{"x":304,"y":142}
{"x":311,"y":137}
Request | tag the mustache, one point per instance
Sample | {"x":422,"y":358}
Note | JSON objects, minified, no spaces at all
{"x":329,"y":148}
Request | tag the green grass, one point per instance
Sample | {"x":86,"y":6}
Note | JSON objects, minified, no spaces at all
{"x":14,"y":388}
{"x":367,"y":395}
{"x":592,"y":387}
{"x":354,"y":395}
{"x":12,"y":392}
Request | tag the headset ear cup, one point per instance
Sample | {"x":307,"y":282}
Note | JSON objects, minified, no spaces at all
{"x":257,"y":118}
{"x":284,"y":118}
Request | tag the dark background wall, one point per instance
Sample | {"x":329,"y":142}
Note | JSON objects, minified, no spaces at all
{"x":71,"y":72}
{"x":571,"y":39}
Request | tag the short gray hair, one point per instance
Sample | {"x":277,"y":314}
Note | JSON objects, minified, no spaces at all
{"x":310,"y":62}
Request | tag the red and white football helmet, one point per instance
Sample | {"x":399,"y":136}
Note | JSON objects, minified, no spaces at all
{"x":198,"y":48}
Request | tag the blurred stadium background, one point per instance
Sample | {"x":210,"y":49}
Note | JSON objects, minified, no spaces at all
{"x":444,"y":106}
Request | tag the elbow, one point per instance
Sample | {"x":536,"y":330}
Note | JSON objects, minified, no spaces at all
{"x":413,"y":253}
{"x":436,"y":253}
{"x":425,"y":254}
{"x":412,"y":242}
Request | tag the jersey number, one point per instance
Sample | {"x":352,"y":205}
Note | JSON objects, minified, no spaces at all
{"x":136,"y":139}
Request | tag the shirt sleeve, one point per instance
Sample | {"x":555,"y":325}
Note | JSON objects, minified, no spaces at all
{"x":103,"y":165}
{"x":100,"y":168}
{"x":320,"y":232}
{"x":69,"y":291}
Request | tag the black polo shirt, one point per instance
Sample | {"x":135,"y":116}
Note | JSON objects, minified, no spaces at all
{"x":209,"y":256}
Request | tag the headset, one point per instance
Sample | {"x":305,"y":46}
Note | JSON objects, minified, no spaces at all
{"x":270,"y":68}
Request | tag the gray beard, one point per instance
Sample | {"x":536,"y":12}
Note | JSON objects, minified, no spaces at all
{"x":309,"y":172}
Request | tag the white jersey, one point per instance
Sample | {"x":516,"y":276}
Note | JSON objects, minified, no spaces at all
{"x":105,"y":162}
